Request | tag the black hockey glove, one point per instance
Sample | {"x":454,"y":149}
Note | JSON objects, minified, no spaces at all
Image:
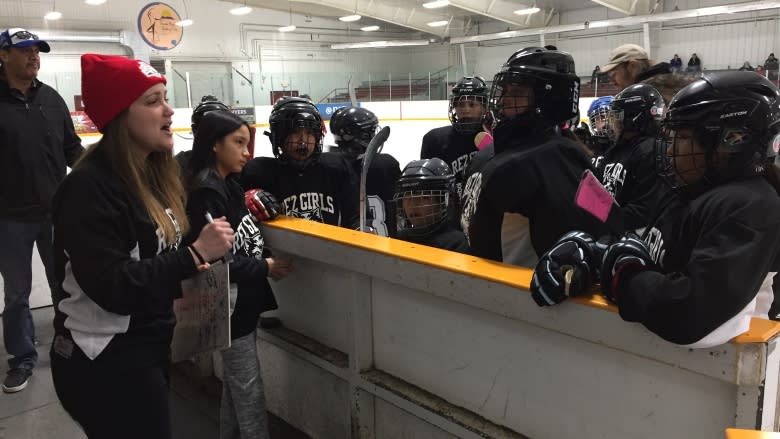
{"x":630,"y":254}
{"x":568,"y":269}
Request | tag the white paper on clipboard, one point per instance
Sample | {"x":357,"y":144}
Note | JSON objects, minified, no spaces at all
{"x":202,"y":313}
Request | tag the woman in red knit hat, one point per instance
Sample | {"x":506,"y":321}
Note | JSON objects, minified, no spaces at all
{"x":118,"y":222}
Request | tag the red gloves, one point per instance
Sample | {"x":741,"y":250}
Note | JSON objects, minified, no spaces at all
{"x":263,"y":205}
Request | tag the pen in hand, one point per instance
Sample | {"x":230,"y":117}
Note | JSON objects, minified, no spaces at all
{"x":228,"y":256}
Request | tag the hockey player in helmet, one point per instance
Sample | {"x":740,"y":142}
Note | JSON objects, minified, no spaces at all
{"x":423,"y":196}
{"x":309,"y":183}
{"x":627,"y":168}
{"x":517,"y":203}
{"x":597,"y":121}
{"x":704,"y":267}
{"x":353,"y":128}
{"x":455,"y":143}
{"x":207,"y":103}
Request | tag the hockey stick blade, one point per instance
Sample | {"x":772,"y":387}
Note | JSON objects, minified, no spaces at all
{"x":374,"y":146}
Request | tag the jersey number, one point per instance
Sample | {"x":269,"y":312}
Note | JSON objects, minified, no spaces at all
{"x":376,"y":212}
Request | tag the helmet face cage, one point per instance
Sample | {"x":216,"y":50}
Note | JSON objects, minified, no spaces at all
{"x":537,"y":98}
{"x":512,"y":96}
{"x":467,"y":102}
{"x":288,"y":116}
{"x":678,"y":162}
{"x":422,"y":197}
{"x":421,"y":212}
{"x":597,"y":121}
{"x":640,"y":108}
{"x":614,"y":124}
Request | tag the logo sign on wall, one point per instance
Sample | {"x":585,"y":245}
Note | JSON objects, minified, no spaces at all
{"x":157,"y":26}
{"x":327,"y":110}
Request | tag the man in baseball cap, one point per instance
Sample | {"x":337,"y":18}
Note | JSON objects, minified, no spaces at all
{"x":21,"y":38}
{"x":629,"y":64}
{"x":37,"y":144}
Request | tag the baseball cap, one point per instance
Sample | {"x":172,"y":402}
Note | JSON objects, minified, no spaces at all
{"x":621,"y":54}
{"x":21,"y":38}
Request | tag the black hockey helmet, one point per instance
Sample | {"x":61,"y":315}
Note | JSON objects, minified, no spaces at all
{"x":353,"y":128}
{"x":468,"y":89}
{"x":553,"y":89}
{"x":422,"y":197}
{"x":734,"y":119}
{"x":289,"y":113}
{"x":207,"y":103}
{"x":637,"y":110}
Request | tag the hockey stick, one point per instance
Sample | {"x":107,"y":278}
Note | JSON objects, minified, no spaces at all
{"x":374,"y":146}
{"x":351,"y":90}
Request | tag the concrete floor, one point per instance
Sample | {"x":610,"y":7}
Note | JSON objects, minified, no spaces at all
{"x":35,"y":412}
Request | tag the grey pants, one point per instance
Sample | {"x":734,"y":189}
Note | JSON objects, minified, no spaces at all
{"x":242,"y":414}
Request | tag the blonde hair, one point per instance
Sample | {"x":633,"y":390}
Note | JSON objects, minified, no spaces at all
{"x":153,"y":179}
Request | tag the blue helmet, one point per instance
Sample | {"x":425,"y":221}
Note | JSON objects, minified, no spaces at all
{"x":599,"y":108}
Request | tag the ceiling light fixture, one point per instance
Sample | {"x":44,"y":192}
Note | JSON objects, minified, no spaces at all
{"x":53,"y":15}
{"x":439,"y":23}
{"x":369,"y":28}
{"x":94,"y":2}
{"x":436,"y":4}
{"x":527,"y":11}
{"x":379,"y":44}
{"x":184,"y":22}
{"x":350,"y":18}
{"x":291,"y":27}
{"x":241,"y":10}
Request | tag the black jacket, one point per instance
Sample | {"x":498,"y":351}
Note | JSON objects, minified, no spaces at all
{"x":628,"y":172}
{"x":37,"y":141}
{"x":536,"y":178}
{"x":454,"y":148}
{"x":447,"y":238}
{"x":248,"y":270}
{"x":714,"y":253}
{"x":323,"y":192}
{"x":117,"y":278}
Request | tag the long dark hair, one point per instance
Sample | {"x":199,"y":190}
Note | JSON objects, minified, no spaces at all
{"x":214,"y":126}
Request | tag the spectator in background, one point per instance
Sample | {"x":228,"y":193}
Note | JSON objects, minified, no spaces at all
{"x":595,"y":75}
{"x":676,"y":64}
{"x":746,"y":67}
{"x":694,"y":65}
{"x":629,"y":64}
{"x":771,"y":65}
{"x":37,"y":141}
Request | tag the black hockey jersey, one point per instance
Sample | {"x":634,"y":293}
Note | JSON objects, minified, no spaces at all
{"x":117,"y":276}
{"x":717,"y":257}
{"x":521,"y":200}
{"x":380,"y":189}
{"x":322,"y":192}
{"x":628,"y":172}
{"x":248,"y":269}
{"x":454,"y":148}
{"x":446,"y":237}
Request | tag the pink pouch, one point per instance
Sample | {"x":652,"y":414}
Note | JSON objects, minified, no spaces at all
{"x":593,"y":197}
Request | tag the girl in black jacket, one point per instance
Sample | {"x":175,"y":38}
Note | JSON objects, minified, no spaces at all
{"x":220,"y":151}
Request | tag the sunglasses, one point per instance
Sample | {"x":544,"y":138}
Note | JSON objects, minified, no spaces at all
{"x":18,"y":37}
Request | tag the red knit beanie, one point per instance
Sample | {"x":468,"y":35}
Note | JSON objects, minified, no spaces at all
{"x":109,"y":84}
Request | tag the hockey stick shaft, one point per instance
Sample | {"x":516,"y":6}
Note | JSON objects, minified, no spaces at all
{"x":371,"y":150}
